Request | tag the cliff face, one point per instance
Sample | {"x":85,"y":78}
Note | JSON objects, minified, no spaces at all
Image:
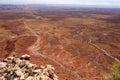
{"x":13,"y":68}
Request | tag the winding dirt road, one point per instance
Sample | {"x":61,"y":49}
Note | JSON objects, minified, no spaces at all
{"x":35,"y":47}
{"x":103,"y":51}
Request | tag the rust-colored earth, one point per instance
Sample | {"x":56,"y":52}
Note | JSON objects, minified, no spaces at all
{"x":79,"y":43}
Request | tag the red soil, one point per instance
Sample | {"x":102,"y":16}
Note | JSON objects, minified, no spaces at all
{"x":19,"y":45}
{"x":16,"y":28}
{"x":87,"y":63}
{"x":22,"y":45}
{"x":3,"y":52}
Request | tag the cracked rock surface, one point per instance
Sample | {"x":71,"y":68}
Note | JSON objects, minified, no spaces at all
{"x":13,"y":68}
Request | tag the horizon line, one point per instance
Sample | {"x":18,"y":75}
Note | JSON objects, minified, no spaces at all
{"x":75,"y":5}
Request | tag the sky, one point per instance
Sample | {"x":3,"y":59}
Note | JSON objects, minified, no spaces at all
{"x":77,"y":2}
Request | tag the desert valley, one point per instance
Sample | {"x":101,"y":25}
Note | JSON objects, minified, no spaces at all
{"x":81,"y":43}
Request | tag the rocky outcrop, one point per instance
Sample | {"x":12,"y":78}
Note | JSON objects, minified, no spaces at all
{"x":13,"y":68}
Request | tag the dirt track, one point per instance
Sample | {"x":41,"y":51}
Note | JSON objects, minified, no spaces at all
{"x":34,"y":49}
{"x":104,"y":51}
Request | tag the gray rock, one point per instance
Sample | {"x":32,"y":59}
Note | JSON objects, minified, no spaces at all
{"x":21,"y":69}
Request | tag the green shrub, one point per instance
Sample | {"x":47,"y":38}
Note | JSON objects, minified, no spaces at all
{"x":115,"y":72}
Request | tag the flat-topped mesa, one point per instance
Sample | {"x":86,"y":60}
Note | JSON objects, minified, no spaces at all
{"x":13,"y":68}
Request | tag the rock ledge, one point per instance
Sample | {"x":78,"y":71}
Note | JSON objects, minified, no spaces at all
{"x":13,"y":68}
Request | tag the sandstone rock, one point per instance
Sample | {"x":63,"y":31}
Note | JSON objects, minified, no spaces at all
{"x":19,"y":72}
{"x":3,"y":64}
{"x":16,"y":79}
{"x":29,"y":78}
{"x":25,"y":57}
{"x":13,"y":68}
